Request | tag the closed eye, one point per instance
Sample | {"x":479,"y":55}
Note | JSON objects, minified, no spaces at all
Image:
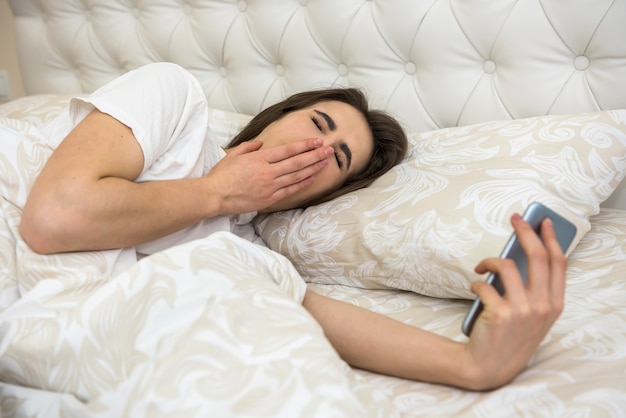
{"x":343,"y":146}
{"x":317,"y":123}
{"x":339,"y":163}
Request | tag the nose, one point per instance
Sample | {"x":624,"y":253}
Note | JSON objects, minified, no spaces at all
{"x":330,"y":141}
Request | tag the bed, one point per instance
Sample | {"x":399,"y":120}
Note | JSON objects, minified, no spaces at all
{"x":505,"y":103}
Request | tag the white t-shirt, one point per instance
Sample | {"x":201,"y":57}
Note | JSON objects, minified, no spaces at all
{"x":167,"y":111}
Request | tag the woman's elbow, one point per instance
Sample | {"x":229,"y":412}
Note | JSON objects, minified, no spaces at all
{"x":43,"y":233}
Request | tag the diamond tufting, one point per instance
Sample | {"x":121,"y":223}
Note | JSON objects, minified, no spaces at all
{"x":434,"y":63}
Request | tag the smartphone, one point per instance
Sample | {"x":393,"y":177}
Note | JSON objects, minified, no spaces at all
{"x":534,"y":215}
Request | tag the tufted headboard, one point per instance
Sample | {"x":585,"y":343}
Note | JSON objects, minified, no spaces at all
{"x":433,"y":63}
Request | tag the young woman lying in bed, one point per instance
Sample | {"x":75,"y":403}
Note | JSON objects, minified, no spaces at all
{"x":133,"y":167}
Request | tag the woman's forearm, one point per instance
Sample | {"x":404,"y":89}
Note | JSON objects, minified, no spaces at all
{"x":381,"y":344}
{"x":110,"y":213}
{"x":505,"y":336}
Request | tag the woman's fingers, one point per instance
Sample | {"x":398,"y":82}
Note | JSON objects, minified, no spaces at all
{"x":300,"y":166}
{"x":544,"y":287}
{"x":251,"y":178}
{"x":536,"y":253}
{"x":546,"y":267}
{"x":292,"y":163}
{"x":507,"y":272}
{"x":511,"y":327}
{"x":557,"y":265}
{"x":288,"y":151}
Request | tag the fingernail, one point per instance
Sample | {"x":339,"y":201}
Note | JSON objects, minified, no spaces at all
{"x":329,"y":151}
{"x":317,"y":142}
{"x":516,"y":217}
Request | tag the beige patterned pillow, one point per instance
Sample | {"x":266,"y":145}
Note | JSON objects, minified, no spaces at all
{"x":425,"y":225}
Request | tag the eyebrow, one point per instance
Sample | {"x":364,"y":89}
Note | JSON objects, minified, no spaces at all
{"x":329,"y":121}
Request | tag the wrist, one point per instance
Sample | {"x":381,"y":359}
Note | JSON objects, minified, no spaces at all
{"x":472,"y":374}
{"x":480,"y":376}
{"x":452,"y":363}
{"x":210,"y":198}
{"x":461,"y":368}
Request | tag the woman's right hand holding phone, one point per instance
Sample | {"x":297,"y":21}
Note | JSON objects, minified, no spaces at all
{"x":512,"y":326}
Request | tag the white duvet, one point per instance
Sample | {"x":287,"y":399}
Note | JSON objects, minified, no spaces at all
{"x":210,"y":328}
{"x":215,"y":328}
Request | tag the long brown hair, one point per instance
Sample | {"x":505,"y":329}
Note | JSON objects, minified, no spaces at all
{"x":390,"y":141}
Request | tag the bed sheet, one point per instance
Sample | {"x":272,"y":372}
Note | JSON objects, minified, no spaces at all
{"x":578,"y":371}
{"x":216,"y":327}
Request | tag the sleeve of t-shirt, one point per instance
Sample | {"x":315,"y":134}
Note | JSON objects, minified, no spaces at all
{"x":166,"y":109}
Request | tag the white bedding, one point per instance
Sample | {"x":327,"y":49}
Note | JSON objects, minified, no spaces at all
{"x":578,"y":371}
{"x":215,"y":328}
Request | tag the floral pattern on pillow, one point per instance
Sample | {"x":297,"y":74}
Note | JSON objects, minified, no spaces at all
{"x":423,"y":226}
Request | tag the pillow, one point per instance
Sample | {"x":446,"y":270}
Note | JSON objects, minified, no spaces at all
{"x":424,"y":225}
{"x":223,"y":125}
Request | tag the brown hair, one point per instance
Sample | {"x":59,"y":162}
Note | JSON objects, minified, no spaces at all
{"x":390,"y":141}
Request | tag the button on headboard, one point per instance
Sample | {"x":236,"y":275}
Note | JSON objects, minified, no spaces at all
{"x":433,"y":63}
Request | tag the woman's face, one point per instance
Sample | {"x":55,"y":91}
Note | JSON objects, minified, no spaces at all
{"x":339,"y":126}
